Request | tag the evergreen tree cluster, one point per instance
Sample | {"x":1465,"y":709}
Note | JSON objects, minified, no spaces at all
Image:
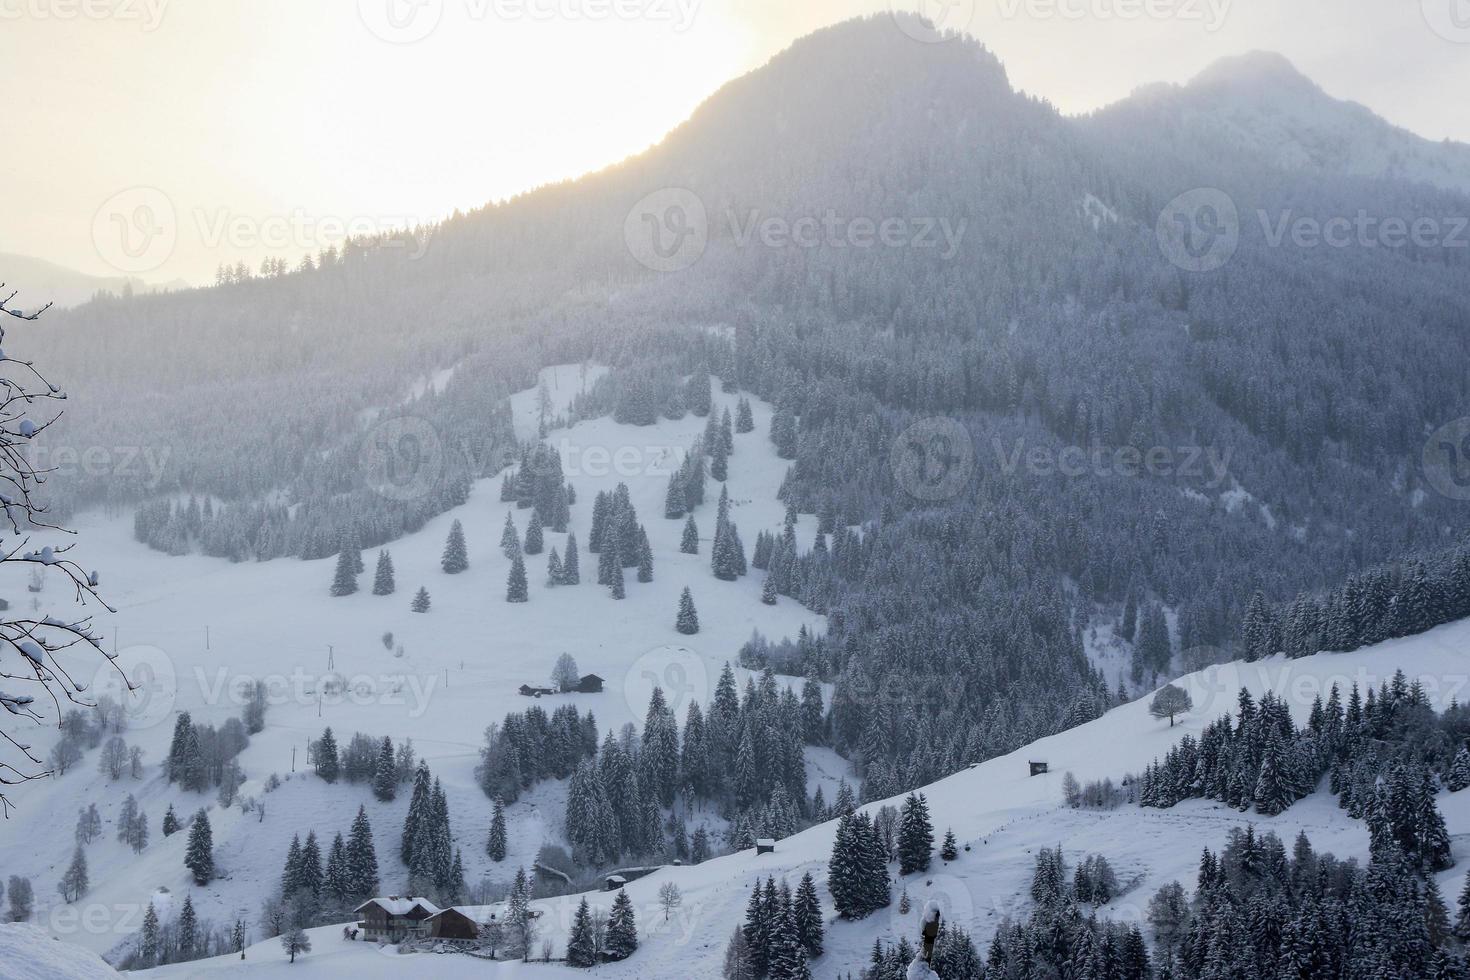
{"x":1385,"y":753}
{"x":782,"y":931}
{"x":321,"y":889}
{"x":857,"y":873}
{"x":618,"y":540}
{"x":435,"y":867}
{"x":537,"y":483}
{"x":202,"y":756}
{"x":1379,"y":603}
{"x":530,"y":746}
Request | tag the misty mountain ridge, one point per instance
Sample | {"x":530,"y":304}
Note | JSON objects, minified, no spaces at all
{"x":1261,"y":102}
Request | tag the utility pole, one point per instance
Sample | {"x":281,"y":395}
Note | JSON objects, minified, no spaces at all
{"x":331,"y":658}
{"x":293,"y":758}
{"x":206,"y":636}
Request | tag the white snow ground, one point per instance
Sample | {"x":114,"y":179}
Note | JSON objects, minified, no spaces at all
{"x":1003,"y":816}
{"x":464,"y":661}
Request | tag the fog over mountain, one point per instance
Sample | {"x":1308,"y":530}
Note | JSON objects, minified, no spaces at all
{"x":959,"y":426}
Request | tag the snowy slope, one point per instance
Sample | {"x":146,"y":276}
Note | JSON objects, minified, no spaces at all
{"x":28,"y":953}
{"x":462,"y":665}
{"x":1003,"y":816}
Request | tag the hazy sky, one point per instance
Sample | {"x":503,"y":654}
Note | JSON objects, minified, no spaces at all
{"x":161,"y":137}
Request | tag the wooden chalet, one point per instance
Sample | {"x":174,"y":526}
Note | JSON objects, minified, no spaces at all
{"x":393,"y":918}
{"x":535,"y":692}
{"x":590,"y":684}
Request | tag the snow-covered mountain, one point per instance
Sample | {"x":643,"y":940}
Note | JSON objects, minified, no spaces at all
{"x":1001,"y":816}
{"x":1260,"y":102}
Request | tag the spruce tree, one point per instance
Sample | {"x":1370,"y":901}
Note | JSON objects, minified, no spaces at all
{"x":687,"y":621}
{"x":645,"y":557}
{"x":345,"y":580}
{"x":915,"y":835}
{"x":456,"y":557}
{"x":421,"y":601}
{"x":516,"y":589}
{"x":950,"y":851}
{"x":418,"y":801}
{"x":327,"y":766}
{"x":1459,"y":776}
{"x":385,"y":776}
{"x":383,"y":578}
{"x":310,"y":878}
{"x":615,"y":578}
{"x":768,"y":590}
{"x":186,"y":935}
{"x":170,"y":821}
{"x":744,"y":418}
{"x":291,"y":872}
{"x":362,"y":858}
{"x":570,"y":573}
{"x":534,"y":542}
{"x":199,"y":855}
{"x":806,"y":912}
{"x":553,"y":568}
{"x":674,"y":502}
{"x":689,"y":544}
{"x":581,"y":946}
{"x":622,"y":928}
{"x":496,"y":844}
{"x":510,"y":538}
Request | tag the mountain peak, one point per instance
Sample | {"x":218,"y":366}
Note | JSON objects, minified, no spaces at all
{"x":1256,"y":69}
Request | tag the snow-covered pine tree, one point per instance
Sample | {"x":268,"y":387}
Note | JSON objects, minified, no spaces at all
{"x":744,"y":417}
{"x":362,"y":858}
{"x":622,"y":928}
{"x":170,"y":821}
{"x":421,"y":601}
{"x":199,"y":855}
{"x":1459,"y":775}
{"x":687,"y":621}
{"x":915,"y":835}
{"x":581,"y":944}
{"x":327,"y":765}
{"x":383,"y":578}
{"x":510,"y":538}
{"x":496,"y":843}
{"x":456,"y":557}
{"x":534,"y":542}
{"x":768,"y":591}
{"x":615,"y":577}
{"x":553,"y":569}
{"x":516,"y":588}
{"x":310,"y":876}
{"x":674,"y":502}
{"x":385,"y":776}
{"x":344,"y":582}
{"x":806,"y":910}
{"x":570,"y":572}
{"x":645,"y":556}
{"x":689,"y":543}
{"x":950,"y":851}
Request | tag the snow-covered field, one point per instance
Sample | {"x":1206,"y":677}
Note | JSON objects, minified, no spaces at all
{"x":462,"y":664}
{"x":1002,"y":816}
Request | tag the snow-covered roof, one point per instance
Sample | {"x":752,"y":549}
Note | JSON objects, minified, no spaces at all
{"x":394,"y":905}
{"x":475,"y":913}
{"x":765,"y":842}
